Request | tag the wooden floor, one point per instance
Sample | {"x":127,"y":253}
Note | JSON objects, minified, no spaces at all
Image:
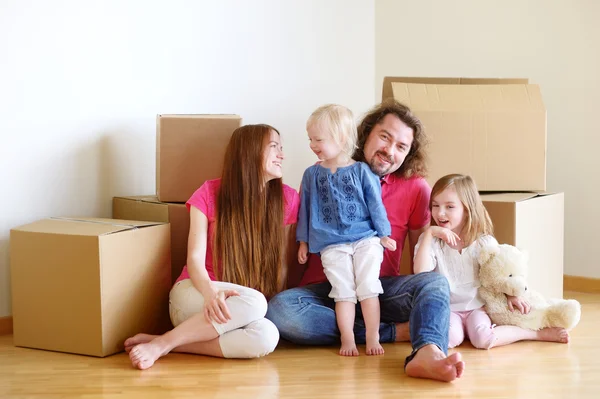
{"x":523,"y":370}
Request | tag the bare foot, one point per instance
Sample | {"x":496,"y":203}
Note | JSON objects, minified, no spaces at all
{"x":554,"y":334}
{"x":348,"y":346}
{"x":136,"y":340}
{"x":373,"y":345}
{"x":402,"y":332}
{"x":143,"y":356}
{"x":430,"y":362}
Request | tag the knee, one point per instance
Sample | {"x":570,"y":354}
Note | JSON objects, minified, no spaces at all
{"x":252,"y":304}
{"x":483,"y":337}
{"x":435,"y":282}
{"x":267,"y":340}
{"x":259,"y":339}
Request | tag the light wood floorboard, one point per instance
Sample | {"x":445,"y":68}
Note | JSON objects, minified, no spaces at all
{"x":523,"y":370}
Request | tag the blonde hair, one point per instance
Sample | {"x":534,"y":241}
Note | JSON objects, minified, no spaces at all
{"x":478,"y":221}
{"x":338,"y":121}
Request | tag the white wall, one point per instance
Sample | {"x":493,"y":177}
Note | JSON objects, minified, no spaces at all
{"x":81,"y":84}
{"x":554,"y":43}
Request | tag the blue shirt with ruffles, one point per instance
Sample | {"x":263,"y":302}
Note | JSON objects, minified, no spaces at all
{"x":341,"y":207}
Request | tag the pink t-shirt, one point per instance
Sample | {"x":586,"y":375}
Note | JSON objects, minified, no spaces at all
{"x":205,"y":199}
{"x":407,"y":204}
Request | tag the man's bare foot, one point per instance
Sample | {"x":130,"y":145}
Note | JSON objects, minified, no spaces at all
{"x":348,"y":346}
{"x":136,"y":340}
{"x":373,"y":345}
{"x":554,"y":334}
{"x":430,"y":362}
{"x":402,"y":332}
{"x":143,"y":356}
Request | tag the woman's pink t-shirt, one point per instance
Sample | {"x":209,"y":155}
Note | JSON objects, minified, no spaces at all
{"x":205,"y":200}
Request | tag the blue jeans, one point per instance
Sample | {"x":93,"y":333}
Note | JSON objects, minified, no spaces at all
{"x":305,"y":315}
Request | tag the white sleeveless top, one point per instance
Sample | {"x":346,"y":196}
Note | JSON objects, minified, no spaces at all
{"x":461,"y":269}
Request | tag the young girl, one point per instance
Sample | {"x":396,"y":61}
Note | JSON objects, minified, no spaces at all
{"x":460,"y":227}
{"x":343,"y":218}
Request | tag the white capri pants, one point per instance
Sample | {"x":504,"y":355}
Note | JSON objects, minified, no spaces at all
{"x":246,"y":335}
{"x":353,"y":269}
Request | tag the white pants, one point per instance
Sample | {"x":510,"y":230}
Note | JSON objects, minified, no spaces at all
{"x":246,"y":335}
{"x":353,"y":269}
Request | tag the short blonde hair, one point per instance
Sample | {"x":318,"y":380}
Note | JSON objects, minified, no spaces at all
{"x":338,"y":121}
{"x":478,"y":221}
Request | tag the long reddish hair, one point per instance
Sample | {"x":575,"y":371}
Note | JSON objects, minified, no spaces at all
{"x":249,"y":239}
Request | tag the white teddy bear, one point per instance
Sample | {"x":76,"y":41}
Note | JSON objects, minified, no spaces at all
{"x":502,"y":272}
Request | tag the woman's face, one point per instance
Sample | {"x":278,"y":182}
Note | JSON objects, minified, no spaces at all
{"x":273,"y":157}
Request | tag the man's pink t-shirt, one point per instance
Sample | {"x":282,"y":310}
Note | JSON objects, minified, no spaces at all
{"x":205,"y":199}
{"x":407,"y":204}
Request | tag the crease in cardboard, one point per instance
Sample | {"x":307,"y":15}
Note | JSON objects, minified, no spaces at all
{"x":127,"y":226}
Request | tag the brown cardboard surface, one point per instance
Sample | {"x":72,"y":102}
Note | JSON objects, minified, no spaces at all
{"x":189,"y":151}
{"x":531,"y":222}
{"x":86,"y":293}
{"x":149,"y":208}
{"x":495,"y":132}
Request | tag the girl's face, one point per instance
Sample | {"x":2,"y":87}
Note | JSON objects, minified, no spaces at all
{"x":322,"y":144}
{"x":448,"y":211}
{"x":273,"y":157}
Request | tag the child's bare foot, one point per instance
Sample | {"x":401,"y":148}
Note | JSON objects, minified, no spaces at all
{"x":348,"y":346}
{"x":136,"y":340}
{"x":430,"y":362}
{"x":554,"y":334}
{"x":143,"y":356}
{"x":373,"y":345}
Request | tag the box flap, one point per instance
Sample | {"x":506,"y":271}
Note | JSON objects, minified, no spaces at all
{"x":507,"y":197}
{"x":82,"y":226}
{"x":469,"y":98}
{"x":388,"y":80}
{"x":153,"y":199}
{"x":200,"y":116}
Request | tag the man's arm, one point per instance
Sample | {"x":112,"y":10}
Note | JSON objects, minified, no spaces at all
{"x":413,"y":237}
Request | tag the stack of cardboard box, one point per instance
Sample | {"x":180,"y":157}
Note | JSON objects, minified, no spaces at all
{"x":84,"y":285}
{"x":495,"y":131}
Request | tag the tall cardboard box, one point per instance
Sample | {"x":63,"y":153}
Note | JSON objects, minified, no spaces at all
{"x":150,"y":209}
{"x":534,"y":223}
{"x":531,"y":222}
{"x":85,"y":285}
{"x":189,"y":151}
{"x":491,"y":129}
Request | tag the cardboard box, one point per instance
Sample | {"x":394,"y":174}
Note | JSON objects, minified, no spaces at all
{"x":150,"y":209}
{"x":189,"y":151}
{"x":534,"y":223}
{"x":491,"y":129}
{"x":531,"y":222}
{"x":85,"y":285}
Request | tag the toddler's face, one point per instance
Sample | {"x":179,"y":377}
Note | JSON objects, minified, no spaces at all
{"x":322,"y":144}
{"x":448,"y":211}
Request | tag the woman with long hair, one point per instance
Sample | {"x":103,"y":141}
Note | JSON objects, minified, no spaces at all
{"x":236,"y":252}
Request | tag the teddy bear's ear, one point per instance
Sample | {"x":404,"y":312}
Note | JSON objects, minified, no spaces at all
{"x":488,"y":253}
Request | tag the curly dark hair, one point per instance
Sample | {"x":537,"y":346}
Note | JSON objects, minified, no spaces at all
{"x":415,"y":163}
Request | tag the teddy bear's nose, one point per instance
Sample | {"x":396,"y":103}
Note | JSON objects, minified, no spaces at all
{"x":525,"y":288}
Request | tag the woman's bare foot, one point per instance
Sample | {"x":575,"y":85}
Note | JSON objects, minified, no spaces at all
{"x":348,"y":346}
{"x":430,"y":362}
{"x":554,"y":334}
{"x":136,"y":340}
{"x":143,"y":356}
{"x":373,"y":345}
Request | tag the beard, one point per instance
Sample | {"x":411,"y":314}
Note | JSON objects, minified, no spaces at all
{"x":378,"y":167}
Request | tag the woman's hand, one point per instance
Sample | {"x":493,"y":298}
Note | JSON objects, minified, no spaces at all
{"x":388,"y":243}
{"x":215,"y":307}
{"x":303,"y":253}
{"x":516,"y":302}
{"x":444,"y":234}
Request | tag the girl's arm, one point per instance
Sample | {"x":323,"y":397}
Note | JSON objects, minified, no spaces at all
{"x":423,"y":257}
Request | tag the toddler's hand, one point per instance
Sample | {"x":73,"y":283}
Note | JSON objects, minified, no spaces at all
{"x":388,"y":243}
{"x":516,"y":302}
{"x":303,"y":253}
{"x":444,"y":234}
